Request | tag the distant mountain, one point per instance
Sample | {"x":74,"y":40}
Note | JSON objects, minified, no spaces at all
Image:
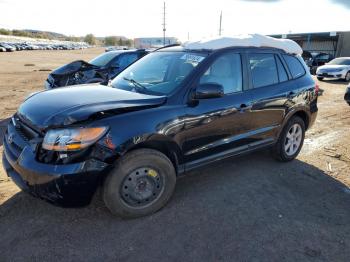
{"x":53,"y":35}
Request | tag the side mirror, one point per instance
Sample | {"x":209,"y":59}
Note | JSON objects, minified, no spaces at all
{"x":209,"y":90}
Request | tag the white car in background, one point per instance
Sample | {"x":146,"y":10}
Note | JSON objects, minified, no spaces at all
{"x":338,"y":68}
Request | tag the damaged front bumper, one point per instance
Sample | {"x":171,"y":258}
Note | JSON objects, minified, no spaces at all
{"x":67,"y":185}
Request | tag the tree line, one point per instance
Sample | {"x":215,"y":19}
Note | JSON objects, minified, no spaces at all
{"x":89,"y":38}
{"x":108,"y":41}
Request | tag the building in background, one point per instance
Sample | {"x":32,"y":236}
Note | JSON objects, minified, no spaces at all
{"x":336,"y":44}
{"x":155,"y":42}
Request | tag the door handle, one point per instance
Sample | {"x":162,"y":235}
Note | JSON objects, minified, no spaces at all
{"x":244,"y":107}
{"x":291,"y":94}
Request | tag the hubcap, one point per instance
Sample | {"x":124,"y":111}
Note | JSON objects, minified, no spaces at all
{"x":347,"y":77}
{"x":141,"y":187}
{"x":293,"y":140}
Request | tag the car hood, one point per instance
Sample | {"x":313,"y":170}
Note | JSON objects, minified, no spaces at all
{"x":331,"y":67}
{"x":69,"y":105}
{"x":72,"y":68}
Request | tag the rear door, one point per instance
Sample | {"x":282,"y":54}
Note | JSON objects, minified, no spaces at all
{"x":270,"y":85}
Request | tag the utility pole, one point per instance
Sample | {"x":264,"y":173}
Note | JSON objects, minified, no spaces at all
{"x":164,"y":24}
{"x":220,"y":29}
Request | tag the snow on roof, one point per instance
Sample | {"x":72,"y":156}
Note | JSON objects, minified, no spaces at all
{"x":251,"y":40}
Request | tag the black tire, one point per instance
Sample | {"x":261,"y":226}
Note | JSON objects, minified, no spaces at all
{"x":320,"y":78}
{"x":113,"y":193}
{"x":279,"y":151}
{"x":347,"y":77}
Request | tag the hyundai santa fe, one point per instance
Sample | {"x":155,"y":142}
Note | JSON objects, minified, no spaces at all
{"x":173,"y":110}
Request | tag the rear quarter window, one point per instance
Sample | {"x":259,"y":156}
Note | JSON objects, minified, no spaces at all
{"x":295,"y":67}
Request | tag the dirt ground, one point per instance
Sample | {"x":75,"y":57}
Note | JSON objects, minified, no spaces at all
{"x":229,"y":211}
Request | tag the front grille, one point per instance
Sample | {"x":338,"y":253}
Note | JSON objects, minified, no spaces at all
{"x":24,"y":130}
{"x":17,"y":136}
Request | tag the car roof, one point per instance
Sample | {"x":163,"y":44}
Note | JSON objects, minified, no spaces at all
{"x":250,"y":40}
{"x":208,"y":51}
{"x":126,"y":51}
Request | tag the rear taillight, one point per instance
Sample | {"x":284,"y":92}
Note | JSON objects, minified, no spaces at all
{"x":317,"y":88}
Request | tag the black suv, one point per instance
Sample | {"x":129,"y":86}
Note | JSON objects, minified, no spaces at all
{"x":99,"y":70}
{"x":172,"y":111}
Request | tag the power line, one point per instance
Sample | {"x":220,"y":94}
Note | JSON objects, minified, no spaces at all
{"x":164,"y":24}
{"x":220,"y":29}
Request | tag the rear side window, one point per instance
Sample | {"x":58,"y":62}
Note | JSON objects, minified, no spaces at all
{"x":295,"y":67}
{"x":127,"y":59}
{"x":263,"y":69}
{"x":282,"y":74}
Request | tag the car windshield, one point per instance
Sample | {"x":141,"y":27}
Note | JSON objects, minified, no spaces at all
{"x":340,"y":61}
{"x":103,"y":59}
{"x":158,"y":73}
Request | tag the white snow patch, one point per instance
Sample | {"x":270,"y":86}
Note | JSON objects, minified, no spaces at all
{"x":251,"y":40}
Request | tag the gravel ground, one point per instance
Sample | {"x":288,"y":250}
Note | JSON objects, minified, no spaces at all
{"x":228,"y":211}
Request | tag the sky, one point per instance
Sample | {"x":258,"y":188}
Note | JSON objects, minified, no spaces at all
{"x":184,"y":18}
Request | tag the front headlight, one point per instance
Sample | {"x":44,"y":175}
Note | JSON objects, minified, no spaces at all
{"x":72,"y":139}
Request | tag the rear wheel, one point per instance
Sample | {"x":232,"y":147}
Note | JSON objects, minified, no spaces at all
{"x":141,"y":183}
{"x":291,"y":140}
{"x":347,"y":77}
{"x":320,"y":78}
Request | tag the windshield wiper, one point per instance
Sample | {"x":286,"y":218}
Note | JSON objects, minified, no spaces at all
{"x":137,"y":85}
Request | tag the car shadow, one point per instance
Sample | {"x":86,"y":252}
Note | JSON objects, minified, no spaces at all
{"x":249,"y":208}
{"x":3,"y":125}
{"x":336,"y":82}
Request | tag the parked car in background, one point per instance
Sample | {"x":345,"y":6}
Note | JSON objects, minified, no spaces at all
{"x":347,"y":95}
{"x":314,"y":60}
{"x":172,"y":111}
{"x":57,"y":45}
{"x":338,"y":68}
{"x":99,"y":70}
{"x":8,"y":47}
{"x":114,"y":48}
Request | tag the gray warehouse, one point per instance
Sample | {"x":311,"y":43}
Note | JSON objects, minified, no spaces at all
{"x":336,"y":44}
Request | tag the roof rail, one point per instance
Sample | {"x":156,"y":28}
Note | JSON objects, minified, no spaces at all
{"x":166,"y":46}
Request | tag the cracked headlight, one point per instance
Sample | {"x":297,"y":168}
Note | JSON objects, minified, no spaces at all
{"x":72,"y":139}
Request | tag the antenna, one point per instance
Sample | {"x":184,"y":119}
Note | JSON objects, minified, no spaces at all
{"x":164,"y":24}
{"x":220,"y":29}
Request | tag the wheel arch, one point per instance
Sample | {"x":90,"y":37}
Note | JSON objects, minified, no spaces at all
{"x":304,"y":116}
{"x":302,"y":113}
{"x":164,"y":145}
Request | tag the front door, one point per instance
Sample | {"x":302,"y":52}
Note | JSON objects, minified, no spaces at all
{"x":217,"y":127}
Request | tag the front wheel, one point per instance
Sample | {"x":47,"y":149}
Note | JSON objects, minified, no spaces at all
{"x":291,"y":140}
{"x":320,"y":78}
{"x":141,"y":183}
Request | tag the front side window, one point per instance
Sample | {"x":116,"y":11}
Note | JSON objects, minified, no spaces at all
{"x":263,"y":69}
{"x":226,"y":71}
{"x":295,"y":67}
{"x":158,"y":73}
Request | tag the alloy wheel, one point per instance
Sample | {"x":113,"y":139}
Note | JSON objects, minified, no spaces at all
{"x":293,"y":139}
